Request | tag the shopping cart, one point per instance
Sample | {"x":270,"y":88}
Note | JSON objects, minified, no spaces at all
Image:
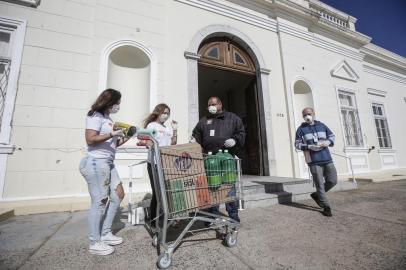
{"x":186,"y":183}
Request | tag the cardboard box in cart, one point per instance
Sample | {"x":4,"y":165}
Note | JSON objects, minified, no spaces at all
{"x":188,"y":193}
{"x":182,"y":160}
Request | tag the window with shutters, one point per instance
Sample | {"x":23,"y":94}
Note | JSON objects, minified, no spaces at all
{"x":381,"y":124}
{"x":350,"y":119}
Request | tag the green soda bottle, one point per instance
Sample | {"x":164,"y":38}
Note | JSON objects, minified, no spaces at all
{"x":229,"y":168}
{"x":213,"y":170}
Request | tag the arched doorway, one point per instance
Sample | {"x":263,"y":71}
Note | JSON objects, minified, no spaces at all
{"x":226,"y":70}
{"x":302,"y":98}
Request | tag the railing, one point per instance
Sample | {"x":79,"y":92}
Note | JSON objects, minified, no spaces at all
{"x":350,"y":160}
{"x":330,"y":16}
{"x":4,"y":75}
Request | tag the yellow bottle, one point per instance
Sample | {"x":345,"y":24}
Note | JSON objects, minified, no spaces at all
{"x":128,"y":129}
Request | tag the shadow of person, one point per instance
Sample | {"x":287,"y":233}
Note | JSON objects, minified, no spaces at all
{"x":303,"y":206}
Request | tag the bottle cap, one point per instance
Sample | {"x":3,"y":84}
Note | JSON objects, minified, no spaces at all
{"x":226,"y":151}
{"x":209,"y":153}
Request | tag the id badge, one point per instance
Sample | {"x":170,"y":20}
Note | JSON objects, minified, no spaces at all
{"x":212,"y":132}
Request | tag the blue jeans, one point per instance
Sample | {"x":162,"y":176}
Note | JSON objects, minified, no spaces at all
{"x":231,"y":207}
{"x":102,"y":181}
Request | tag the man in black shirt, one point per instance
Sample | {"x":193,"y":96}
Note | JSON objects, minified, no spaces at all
{"x":220,"y":130}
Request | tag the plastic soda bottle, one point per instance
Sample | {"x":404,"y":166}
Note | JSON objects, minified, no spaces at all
{"x":213,"y":170}
{"x":229,"y":168}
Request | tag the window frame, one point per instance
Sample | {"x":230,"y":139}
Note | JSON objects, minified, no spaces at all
{"x":385,"y":118}
{"x":351,"y":92}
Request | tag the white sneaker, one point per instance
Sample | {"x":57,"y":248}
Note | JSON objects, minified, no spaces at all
{"x":111,"y":239}
{"x":100,"y":248}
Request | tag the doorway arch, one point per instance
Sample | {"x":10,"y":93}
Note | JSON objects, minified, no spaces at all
{"x":261,"y":73}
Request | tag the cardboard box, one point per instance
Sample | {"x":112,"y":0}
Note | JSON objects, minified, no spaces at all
{"x":222,"y":194}
{"x":179,"y":161}
{"x":188,"y":193}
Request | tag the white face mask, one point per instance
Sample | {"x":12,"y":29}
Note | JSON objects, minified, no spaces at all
{"x":163,"y":117}
{"x":115,"y":109}
{"x":308,"y":119}
{"x":212,"y":109}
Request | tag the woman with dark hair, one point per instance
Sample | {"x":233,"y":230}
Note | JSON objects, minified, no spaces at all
{"x":105,"y":188}
{"x":166,"y":135}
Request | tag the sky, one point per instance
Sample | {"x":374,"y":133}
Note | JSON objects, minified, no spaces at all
{"x":383,"y":21}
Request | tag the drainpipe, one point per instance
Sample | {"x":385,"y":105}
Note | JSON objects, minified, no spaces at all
{"x":292,"y":150}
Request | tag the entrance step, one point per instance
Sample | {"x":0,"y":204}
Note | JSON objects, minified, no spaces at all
{"x":6,"y":213}
{"x":270,"y":190}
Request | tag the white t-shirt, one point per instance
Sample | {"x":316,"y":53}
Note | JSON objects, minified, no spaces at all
{"x":163,"y":135}
{"x":104,"y":125}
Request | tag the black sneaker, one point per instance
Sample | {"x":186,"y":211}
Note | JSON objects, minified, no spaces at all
{"x":315,"y":197}
{"x":327,"y":212}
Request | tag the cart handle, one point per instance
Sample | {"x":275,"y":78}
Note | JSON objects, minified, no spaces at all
{"x":150,"y":132}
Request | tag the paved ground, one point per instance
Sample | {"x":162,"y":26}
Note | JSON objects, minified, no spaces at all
{"x":367,"y":231}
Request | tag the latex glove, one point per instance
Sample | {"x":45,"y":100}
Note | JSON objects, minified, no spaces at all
{"x":117,"y":133}
{"x":325,"y":143}
{"x":229,"y":143}
{"x":314,"y":147}
{"x":174,"y":125}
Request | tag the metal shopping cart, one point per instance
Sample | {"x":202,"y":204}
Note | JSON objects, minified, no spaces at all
{"x":187,"y":182}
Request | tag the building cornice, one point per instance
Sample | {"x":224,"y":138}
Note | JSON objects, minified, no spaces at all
{"x":232,"y":11}
{"x":381,"y":55}
{"x":30,"y":3}
{"x":384,"y":73}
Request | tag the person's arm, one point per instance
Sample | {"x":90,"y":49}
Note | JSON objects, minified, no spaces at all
{"x":197,"y":133}
{"x":330,"y":136}
{"x":93,"y":137}
{"x":299,"y":143}
{"x":239,"y":133}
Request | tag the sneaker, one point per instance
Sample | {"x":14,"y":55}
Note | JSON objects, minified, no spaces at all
{"x":327,"y":212}
{"x":100,"y":248}
{"x":111,"y":239}
{"x":315,"y":197}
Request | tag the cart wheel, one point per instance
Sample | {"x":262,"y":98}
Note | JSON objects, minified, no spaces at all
{"x":231,"y":240}
{"x":155,"y":240}
{"x":164,"y":261}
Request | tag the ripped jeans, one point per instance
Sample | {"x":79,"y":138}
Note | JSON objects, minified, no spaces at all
{"x":102,"y":181}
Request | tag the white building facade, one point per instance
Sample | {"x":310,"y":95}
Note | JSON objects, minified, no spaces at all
{"x":266,"y":59}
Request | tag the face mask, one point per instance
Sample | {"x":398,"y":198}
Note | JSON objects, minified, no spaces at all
{"x":115,"y":108}
{"x":212,"y":109}
{"x":308,"y":119}
{"x":163,"y":117}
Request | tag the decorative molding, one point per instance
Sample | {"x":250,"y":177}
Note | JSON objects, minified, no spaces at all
{"x":337,"y":48}
{"x":233,"y":12}
{"x":351,"y":150}
{"x":29,"y":3}
{"x":383,"y":55}
{"x":288,"y":29}
{"x":376,"y":92}
{"x":384,"y":74}
{"x":7,"y":148}
{"x":350,"y":74}
{"x":386,"y":150}
{"x":265,"y":71}
{"x":191,"y":55}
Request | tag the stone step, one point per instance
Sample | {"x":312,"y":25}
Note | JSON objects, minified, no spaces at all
{"x":265,"y":191}
{"x":6,"y":213}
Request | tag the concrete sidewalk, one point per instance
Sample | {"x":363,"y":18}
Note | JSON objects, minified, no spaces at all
{"x":367,"y":231}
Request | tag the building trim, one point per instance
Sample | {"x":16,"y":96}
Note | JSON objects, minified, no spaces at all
{"x":103,"y":74}
{"x":337,"y":48}
{"x":353,"y":76}
{"x":233,"y":12}
{"x":377,"y":92}
{"x":29,"y":3}
{"x":384,"y":74}
{"x":294,"y":31}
